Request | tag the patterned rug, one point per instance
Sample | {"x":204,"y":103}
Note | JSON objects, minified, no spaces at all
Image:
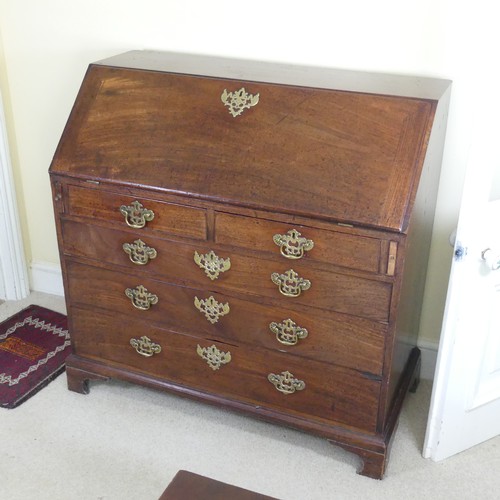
{"x":34,"y":344}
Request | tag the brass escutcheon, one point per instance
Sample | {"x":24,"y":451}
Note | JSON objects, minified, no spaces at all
{"x":238,"y":101}
{"x":288,"y":332}
{"x":141,"y":298}
{"x":293,"y":244}
{"x":286,"y":383}
{"x":290,"y":283}
{"x":213,"y":356}
{"x":136,"y":215}
{"x":145,"y":347}
{"x":212,"y":264}
{"x":139,"y":253}
{"x":212,"y":309}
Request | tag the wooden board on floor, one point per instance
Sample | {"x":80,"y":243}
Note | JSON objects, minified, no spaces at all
{"x":189,"y":486}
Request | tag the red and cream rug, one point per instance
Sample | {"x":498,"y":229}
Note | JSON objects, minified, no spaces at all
{"x":34,"y":344}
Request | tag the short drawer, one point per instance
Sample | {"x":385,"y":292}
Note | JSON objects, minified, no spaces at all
{"x":314,"y":390}
{"x":170,"y":218}
{"x":296,"y":242}
{"x":346,"y":341}
{"x":248,"y":274}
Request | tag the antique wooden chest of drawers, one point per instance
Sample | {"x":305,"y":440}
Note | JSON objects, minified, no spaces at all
{"x":251,"y":235}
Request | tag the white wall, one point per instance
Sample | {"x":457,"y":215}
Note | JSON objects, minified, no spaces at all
{"x":48,"y":45}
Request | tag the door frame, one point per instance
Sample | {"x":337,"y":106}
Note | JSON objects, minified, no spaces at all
{"x":14,"y":283}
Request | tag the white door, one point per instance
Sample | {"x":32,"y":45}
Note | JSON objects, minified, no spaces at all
{"x":465,"y":404}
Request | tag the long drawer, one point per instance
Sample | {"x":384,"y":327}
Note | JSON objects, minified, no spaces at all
{"x":174,"y":262}
{"x":356,"y":343}
{"x":314,"y":390}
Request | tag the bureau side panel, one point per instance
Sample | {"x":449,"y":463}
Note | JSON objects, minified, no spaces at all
{"x":413,"y":255}
{"x":58,"y":188}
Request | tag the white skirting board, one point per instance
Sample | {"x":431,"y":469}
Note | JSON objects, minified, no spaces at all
{"x":429,"y":352}
{"x":47,"y":278}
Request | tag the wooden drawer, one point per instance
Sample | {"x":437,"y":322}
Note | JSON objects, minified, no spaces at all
{"x":168,"y":217}
{"x":354,"y":343}
{"x":331,"y":393}
{"x":331,"y":247}
{"x":368,"y":298}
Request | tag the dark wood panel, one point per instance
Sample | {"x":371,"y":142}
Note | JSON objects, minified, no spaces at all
{"x":189,"y":486}
{"x":343,"y":156}
{"x":250,"y":275}
{"x":353,"y":342}
{"x":333,"y":393}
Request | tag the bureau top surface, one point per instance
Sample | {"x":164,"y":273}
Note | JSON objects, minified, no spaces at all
{"x":311,"y":143}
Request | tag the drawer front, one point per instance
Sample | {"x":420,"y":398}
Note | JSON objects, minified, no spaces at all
{"x":350,"y":342}
{"x":248,"y":274}
{"x":321,"y":391}
{"x":166,"y":217}
{"x":331,"y":247}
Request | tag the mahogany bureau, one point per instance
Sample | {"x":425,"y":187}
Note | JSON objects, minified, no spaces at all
{"x":251,"y":235}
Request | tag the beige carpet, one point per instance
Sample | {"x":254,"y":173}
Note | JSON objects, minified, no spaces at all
{"x":123,"y":442}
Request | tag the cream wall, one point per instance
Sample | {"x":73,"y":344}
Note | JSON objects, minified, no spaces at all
{"x":48,"y":45}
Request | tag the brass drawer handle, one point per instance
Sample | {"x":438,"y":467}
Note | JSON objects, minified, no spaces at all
{"x":293,"y":244}
{"x":288,"y":332}
{"x":238,"y":101}
{"x":141,"y":298}
{"x":214,"y":358}
{"x":145,"y":347}
{"x":212,"y":309}
{"x":290,"y":283}
{"x":139,"y":253}
{"x":286,"y":382}
{"x":212,"y":264}
{"x":136,"y":215}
